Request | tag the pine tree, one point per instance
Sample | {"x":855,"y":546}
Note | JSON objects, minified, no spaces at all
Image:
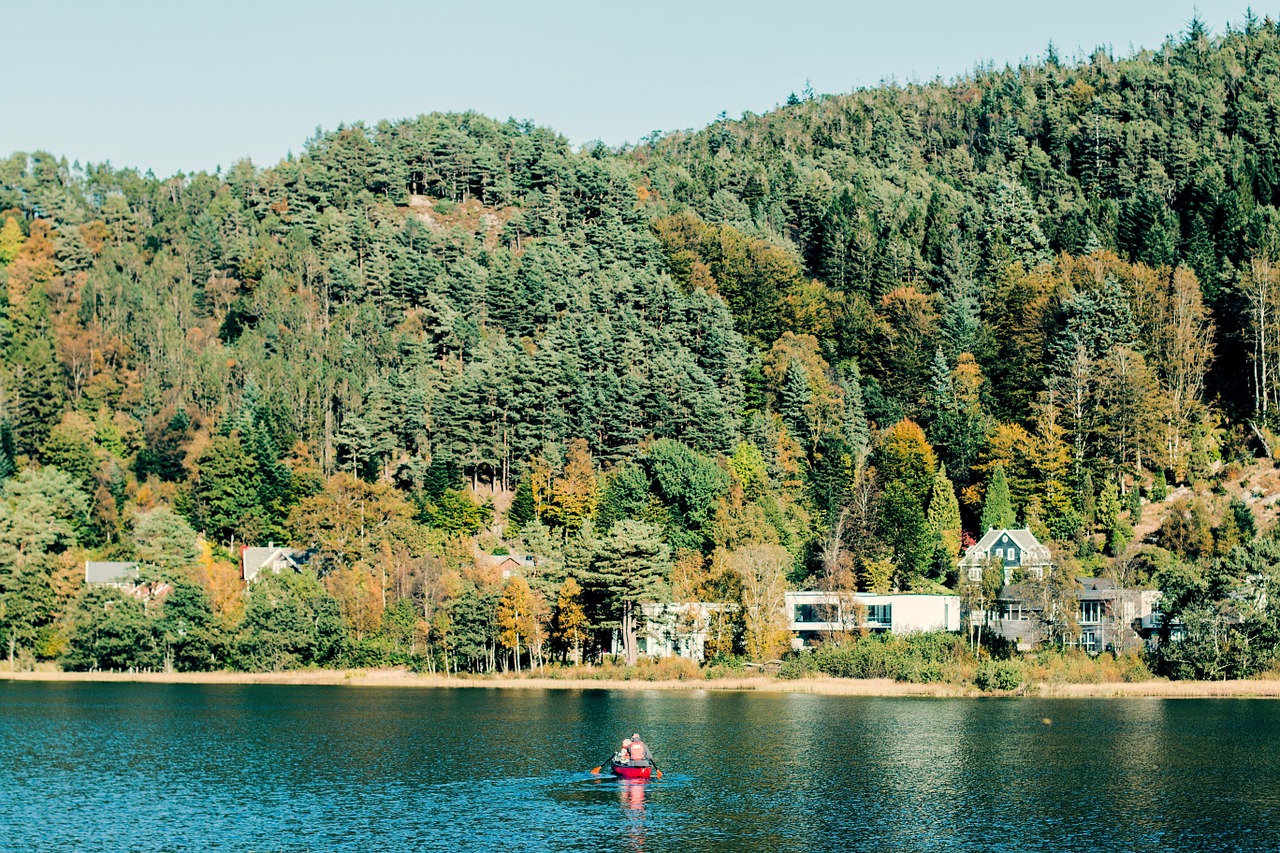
{"x":37,"y":388}
{"x":961,"y":313}
{"x":941,"y":409}
{"x":7,"y":467}
{"x":522,"y":510}
{"x":626,"y":569}
{"x":944,"y":524}
{"x":997,"y":509}
{"x":857,"y":432}
{"x":793,"y":401}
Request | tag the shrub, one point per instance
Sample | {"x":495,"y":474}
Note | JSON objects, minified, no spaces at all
{"x":998,"y":675}
{"x":920,"y":658}
{"x":725,"y":666}
{"x":368,"y":653}
{"x":799,"y":666}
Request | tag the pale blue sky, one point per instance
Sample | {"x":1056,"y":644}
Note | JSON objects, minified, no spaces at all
{"x":190,"y":85}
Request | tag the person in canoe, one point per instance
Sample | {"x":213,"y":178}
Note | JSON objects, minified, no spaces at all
{"x":639,"y":751}
{"x":632,"y":761}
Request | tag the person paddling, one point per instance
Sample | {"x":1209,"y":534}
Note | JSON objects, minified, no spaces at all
{"x":639,"y":751}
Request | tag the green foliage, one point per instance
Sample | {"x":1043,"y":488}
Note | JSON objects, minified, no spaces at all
{"x":164,"y":539}
{"x":44,"y":513}
{"x":920,"y":658}
{"x":944,"y":525}
{"x":1050,"y":266}
{"x":522,"y":510}
{"x":998,"y":675}
{"x":997,"y":507}
{"x":112,"y":631}
{"x":1227,"y":624}
{"x":672,"y":486}
{"x":226,"y":491}
{"x":454,"y":513}
{"x":289,"y":621}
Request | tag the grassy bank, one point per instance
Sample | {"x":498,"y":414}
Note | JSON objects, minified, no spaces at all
{"x":827,"y":685}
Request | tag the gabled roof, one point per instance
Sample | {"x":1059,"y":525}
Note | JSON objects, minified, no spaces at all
{"x":254,"y":560}
{"x":110,"y":573}
{"x":1035,"y":554}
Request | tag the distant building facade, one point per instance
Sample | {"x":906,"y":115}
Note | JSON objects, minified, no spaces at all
{"x":273,"y":559}
{"x":126,"y":577}
{"x":679,"y":629}
{"x":113,"y":574}
{"x":507,"y":565}
{"x":812,"y":615}
{"x":1014,"y":549}
{"x":1110,"y":617}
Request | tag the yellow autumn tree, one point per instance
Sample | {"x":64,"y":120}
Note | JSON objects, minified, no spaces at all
{"x":762,"y":570}
{"x":11,"y":240}
{"x":517,"y":621}
{"x":570,"y":620}
{"x":575,"y":493}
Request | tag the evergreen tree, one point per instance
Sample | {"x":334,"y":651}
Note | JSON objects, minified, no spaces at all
{"x":7,"y":468}
{"x":997,"y":508}
{"x":944,"y":524}
{"x":628,"y":568}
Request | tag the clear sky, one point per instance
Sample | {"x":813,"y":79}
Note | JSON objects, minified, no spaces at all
{"x":178,"y":85}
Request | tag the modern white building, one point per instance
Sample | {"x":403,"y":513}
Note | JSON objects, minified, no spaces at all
{"x":815,"y":613}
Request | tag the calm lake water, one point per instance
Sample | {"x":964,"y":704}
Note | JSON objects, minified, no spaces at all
{"x":91,"y":767}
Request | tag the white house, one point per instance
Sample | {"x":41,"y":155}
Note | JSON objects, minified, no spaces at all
{"x":1016,"y":548}
{"x":813,"y":613}
{"x":677,"y":630}
{"x":273,"y":558}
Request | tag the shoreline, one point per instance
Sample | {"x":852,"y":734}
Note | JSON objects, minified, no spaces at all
{"x":880,"y":687}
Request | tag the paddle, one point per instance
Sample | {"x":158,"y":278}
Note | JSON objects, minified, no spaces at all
{"x":596,"y":770}
{"x":656,"y":771}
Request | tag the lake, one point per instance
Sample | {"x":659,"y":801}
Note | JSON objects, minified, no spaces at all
{"x":107,"y":767}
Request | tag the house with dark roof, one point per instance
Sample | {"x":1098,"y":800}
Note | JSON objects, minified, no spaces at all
{"x":273,"y":559}
{"x":506,"y":565}
{"x":116,"y":574}
{"x":1014,"y":548}
{"x":1110,"y":617}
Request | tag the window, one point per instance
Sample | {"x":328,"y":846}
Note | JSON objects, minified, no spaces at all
{"x":880,"y":614}
{"x":1090,"y":612}
{"x":1089,"y":641}
{"x":817,"y":613}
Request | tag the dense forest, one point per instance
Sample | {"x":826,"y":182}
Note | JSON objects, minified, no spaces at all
{"x":821,"y":347}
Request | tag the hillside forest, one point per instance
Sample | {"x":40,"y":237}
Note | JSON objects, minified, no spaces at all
{"x":822,"y":347}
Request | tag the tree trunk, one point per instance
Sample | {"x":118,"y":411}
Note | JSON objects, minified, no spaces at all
{"x":629,"y":633}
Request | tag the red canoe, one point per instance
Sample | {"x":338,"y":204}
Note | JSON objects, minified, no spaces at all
{"x":631,"y":771}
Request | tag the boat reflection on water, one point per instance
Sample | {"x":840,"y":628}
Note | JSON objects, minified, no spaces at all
{"x":631,"y":797}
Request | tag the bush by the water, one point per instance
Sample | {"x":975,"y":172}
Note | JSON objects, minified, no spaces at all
{"x":645,"y":669}
{"x":1074,"y":666}
{"x":999,"y":675}
{"x":920,"y":658}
